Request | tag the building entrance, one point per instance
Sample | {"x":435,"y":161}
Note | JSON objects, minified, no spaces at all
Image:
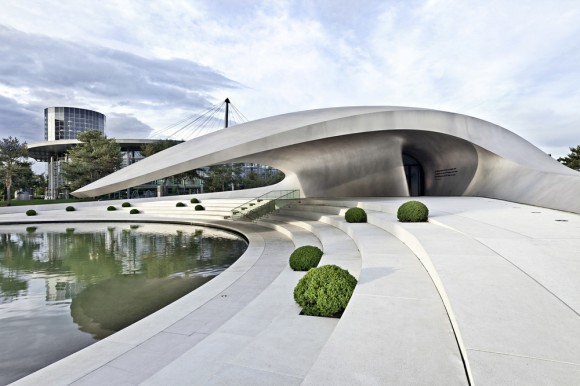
{"x":414,"y":174}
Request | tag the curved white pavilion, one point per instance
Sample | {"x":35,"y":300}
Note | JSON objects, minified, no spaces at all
{"x":373,"y":151}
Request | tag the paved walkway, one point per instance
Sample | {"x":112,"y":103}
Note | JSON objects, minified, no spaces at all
{"x":487,"y":293}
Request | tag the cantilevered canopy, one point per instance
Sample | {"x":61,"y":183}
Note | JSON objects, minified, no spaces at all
{"x":43,"y":151}
{"x":362,"y":151}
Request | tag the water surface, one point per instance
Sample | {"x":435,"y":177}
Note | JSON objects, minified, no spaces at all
{"x":65,"y":286}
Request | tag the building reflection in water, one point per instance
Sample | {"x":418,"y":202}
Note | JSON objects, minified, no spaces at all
{"x":73,"y":258}
{"x":64,"y":286}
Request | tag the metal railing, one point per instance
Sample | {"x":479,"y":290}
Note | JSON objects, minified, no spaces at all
{"x":267,"y":203}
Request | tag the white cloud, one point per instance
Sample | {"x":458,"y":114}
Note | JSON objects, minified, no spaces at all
{"x":126,"y":126}
{"x":516,"y":64}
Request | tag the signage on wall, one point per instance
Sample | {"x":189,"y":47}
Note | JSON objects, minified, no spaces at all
{"x":444,"y":173}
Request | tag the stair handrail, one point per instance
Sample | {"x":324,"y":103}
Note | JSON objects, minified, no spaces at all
{"x":272,"y":201}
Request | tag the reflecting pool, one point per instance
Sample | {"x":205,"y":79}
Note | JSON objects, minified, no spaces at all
{"x":65,"y":286}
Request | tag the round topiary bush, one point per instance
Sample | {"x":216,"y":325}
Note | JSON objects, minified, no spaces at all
{"x":180,"y":205}
{"x":324,"y":291}
{"x":111,"y":208}
{"x":70,"y":209}
{"x":199,"y":207}
{"x":194,"y":201}
{"x":355,"y":215}
{"x":134,"y":211}
{"x":413,"y":211}
{"x":31,"y":212}
{"x":126,"y":205}
{"x":304,"y":258}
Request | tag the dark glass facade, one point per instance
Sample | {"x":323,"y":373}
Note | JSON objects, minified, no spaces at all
{"x":69,"y":122}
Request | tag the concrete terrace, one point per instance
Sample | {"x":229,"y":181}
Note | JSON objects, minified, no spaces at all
{"x":486,"y":293}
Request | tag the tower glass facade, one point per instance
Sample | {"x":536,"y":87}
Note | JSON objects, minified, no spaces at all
{"x":69,"y":122}
{"x":66,"y":123}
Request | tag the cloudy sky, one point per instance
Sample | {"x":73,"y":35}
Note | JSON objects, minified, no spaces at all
{"x":148,"y":64}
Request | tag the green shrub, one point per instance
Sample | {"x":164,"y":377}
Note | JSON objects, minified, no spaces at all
{"x":194,"y":201}
{"x":111,"y":208}
{"x":30,"y":229}
{"x":134,"y":211}
{"x":413,"y":211}
{"x":324,"y":291}
{"x":70,"y":209}
{"x":304,"y":258}
{"x":31,"y":212}
{"x":180,"y":205}
{"x":355,"y":215}
{"x":126,"y":205}
{"x":199,"y":207}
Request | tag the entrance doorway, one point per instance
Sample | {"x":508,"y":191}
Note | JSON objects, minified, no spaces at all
{"x":414,"y":174}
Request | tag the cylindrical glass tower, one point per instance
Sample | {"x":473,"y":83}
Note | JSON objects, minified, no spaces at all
{"x":69,"y":122}
{"x":66,"y":123}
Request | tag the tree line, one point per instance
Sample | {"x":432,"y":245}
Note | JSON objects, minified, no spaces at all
{"x":97,"y":156}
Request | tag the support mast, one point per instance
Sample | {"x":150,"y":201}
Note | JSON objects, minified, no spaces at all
{"x":227,"y":112}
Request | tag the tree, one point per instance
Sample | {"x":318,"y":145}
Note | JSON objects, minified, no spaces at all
{"x":26,"y":180}
{"x":12,"y":159}
{"x":155,"y":147}
{"x":190,"y":176}
{"x":268,"y":177}
{"x":149,"y":149}
{"x":23,"y":178}
{"x":39,"y":185}
{"x":572,"y":160}
{"x":219,"y":178}
{"x":96,"y":157}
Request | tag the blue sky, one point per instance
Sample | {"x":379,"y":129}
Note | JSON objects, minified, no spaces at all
{"x":148,"y":64}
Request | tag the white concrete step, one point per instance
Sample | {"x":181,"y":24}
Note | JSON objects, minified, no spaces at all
{"x":339,"y":249}
{"x":267,"y":342}
{"x":393,"y":281}
{"x":491,"y":299}
{"x":298,"y":235}
{"x":497,"y":282}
